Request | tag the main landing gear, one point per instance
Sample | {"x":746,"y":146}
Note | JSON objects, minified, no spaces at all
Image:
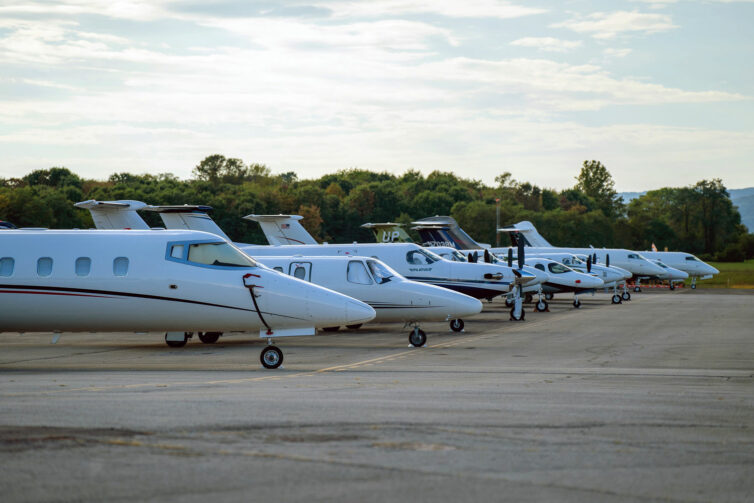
{"x":693,"y":283}
{"x":576,"y":302}
{"x":271,"y":356}
{"x":541,"y":306}
{"x":177,"y":339}
{"x":209,"y":337}
{"x":617,"y":299}
{"x":549,"y":295}
{"x":456,"y":325}
{"x":637,"y":286}
{"x":416,"y":337}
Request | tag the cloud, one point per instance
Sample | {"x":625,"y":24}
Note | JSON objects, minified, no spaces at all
{"x":547,"y":43}
{"x":606,"y":25}
{"x":617,"y":53}
{"x":448,"y":8}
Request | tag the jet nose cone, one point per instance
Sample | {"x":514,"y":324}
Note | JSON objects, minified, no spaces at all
{"x":358,"y":312}
{"x":465,"y":305}
{"x":713,"y":270}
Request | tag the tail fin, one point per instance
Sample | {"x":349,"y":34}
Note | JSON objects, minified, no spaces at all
{"x":445,"y":230}
{"x":187,"y":216}
{"x":389,"y":232}
{"x":115,"y":214}
{"x":283,"y":229}
{"x":527,"y":232}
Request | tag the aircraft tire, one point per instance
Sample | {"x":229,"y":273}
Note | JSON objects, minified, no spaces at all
{"x":456,"y":325}
{"x":509,"y":302}
{"x":693,"y":286}
{"x":177,"y":344}
{"x":626,"y":296}
{"x":209,"y":337}
{"x":541,"y":306}
{"x":417,"y":337}
{"x":330,"y":329}
{"x":354,"y":327}
{"x":513,"y":317}
{"x":271,"y":357}
{"x":617,"y":299}
{"x":637,"y":289}
{"x":672,"y":286}
{"x":577,"y":304}
{"x":528,"y":298}
{"x":549,"y":296}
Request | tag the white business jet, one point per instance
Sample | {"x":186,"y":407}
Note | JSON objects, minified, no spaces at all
{"x":393,"y":297}
{"x":367,"y":279}
{"x":685,"y":262}
{"x":171,"y":281}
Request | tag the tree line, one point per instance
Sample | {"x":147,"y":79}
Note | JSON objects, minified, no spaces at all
{"x":699,"y":219}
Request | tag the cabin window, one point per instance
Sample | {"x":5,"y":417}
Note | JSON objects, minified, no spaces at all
{"x":556,"y":268}
{"x":83,"y":266}
{"x":177,"y":251}
{"x":299,"y":272}
{"x":420,"y":257}
{"x":120,"y":266}
{"x":220,"y":254}
{"x":6,"y":266}
{"x":278,"y":268}
{"x":633,"y":256}
{"x":380,"y":271}
{"x":540,"y":267}
{"x":357,"y":273}
{"x":44,"y":266}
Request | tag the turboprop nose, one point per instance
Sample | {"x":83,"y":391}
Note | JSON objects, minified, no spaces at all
{"x":358,"y":312}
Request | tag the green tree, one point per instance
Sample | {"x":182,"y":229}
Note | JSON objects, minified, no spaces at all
{"x":595,"y":181}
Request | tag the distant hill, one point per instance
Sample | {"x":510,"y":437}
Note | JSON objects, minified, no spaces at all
{"x":743,"y":198}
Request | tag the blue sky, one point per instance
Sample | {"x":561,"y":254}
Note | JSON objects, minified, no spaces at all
{"x":660,"y":91}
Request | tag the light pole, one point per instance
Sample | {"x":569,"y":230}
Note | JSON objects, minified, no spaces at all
{"x":497,"y":222}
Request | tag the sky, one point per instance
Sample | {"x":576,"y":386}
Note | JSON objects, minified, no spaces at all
{"x":660,"y":91}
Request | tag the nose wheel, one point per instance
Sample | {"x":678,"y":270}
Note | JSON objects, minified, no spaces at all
{"x":271,"y":357}
{"x":456,"y":325}
{"x":517,"y":317}
{"x":577,"y":303}
{"x":417,"y":337}
{"x":541,"y":306}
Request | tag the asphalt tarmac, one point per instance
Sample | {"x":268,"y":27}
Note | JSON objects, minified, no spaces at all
{"x":652,"y":400}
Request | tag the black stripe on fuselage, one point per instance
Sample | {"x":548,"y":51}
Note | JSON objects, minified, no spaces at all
{"x":136,"y":295}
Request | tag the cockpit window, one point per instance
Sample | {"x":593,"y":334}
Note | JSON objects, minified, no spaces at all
{"x":567,"y":261}
{"x":421,"y":257}
{"x":556,"y":268}
{"x":633,"y":256}
{"x":458,"y":256}
{"x":218,"y":254}
{"x":693,"y":259}
{"x":539,"y":266}
{"x":380,"y":271}
{"x":357,"y":273}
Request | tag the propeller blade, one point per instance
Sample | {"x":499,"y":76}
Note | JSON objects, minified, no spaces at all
{"x":594,"y":258}
{"x":589,"y":264}
{"x":607,"y":260}
{"x":510,"y":257}
{"x":487,"y":258}
{"x":520,"y":253}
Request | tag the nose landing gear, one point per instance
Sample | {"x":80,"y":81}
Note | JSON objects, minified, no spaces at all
{"x":456,"y":325}
{"x":271,"y":357}
{"x":417,"y":337}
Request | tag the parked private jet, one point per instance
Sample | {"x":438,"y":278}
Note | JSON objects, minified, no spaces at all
{"x":171,"y":281}
{"x":685,"y":262}
{"x":394,"y":297}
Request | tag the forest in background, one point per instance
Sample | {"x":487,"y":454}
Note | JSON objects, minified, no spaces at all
{"x":699,"y":219}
